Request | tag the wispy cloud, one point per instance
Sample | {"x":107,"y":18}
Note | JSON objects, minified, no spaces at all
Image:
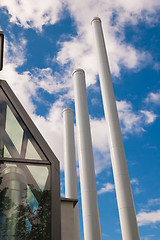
{"x":79,"y":51}
{"x":107,"y":187}
{"x":150,"y":117}
{"x":153,"y":97}
{"x":147,"y":218}
{"x":153,"y":202}
{"x":131,"y":121}
{"x":148,"y":237}
{"x":150,"y":214}
{"x":134,"y":181}
{"x":33,"y":14}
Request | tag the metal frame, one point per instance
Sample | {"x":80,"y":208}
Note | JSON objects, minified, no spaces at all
{"x":55,"y":167}
{"x":2,"y":46}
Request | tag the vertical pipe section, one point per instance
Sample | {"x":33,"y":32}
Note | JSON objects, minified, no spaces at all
{"x":126,"y":208}
{"x":70,"y":166}
{"x":91,"y":223}
{"x":15,"y":184}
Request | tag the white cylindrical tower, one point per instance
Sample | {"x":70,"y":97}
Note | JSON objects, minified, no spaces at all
{"x":91,"y":223}
{"x":14,"y":183}
{"x":126,"y":208}
{"x":70,"y":166}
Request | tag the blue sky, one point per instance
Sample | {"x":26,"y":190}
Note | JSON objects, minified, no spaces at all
{"x":45,"y":41}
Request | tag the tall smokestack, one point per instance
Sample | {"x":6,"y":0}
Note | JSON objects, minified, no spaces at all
{"x":70,"y":166}
{"x":126,"y":208}
{"x":91,"y":223}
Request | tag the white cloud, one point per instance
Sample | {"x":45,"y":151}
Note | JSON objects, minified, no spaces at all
{"x":134,"y":181}
{"x":107,"y":187}
{"x":136,"y":189}
{"x":150,"y":117}
{"x":79,"y":51}
{"x":147,"y":218}
{"x":100,"y":144}
{"x":130,"y":121}
{"x":99,"y":134}
{"x":51,"y":128}
{"x":26,"y":85}
{"x":133,"y":122}
{"x":21,"y":83}
{"x":33,"y":13}
{"x":153,"y":98}
{"x":120,"y":54}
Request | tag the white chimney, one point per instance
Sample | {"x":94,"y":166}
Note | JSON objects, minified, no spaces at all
{"x":70,"y":166}
{"x":91,"y":223}
{"x":126,"y":208}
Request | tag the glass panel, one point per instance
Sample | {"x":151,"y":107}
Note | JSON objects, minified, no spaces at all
{"x":40,"y":174}
{"x":16,"y":141}
{"x":24,"y":208}
{"x":6,"y":153}
{"x":31,"y":153}
{"x":14,"y":130}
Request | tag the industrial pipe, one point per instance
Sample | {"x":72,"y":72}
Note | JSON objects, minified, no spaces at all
{"x":91,"y":223}
{"x":70,"y":166}
{"x":128,"y":221}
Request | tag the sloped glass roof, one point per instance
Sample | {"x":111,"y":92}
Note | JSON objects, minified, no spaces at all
{"x":16,"y":141}
{"x":24,"y":179}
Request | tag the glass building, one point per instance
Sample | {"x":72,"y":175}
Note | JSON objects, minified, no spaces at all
{"x":29,"y":176}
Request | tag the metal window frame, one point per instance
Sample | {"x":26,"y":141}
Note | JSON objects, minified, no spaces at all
{"x":55,"y":166}
{"x":2,"y":47}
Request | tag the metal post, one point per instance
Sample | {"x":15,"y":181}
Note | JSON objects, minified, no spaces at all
{"x":70,"y":166}
{"x":1,"y":49}
{"x":126,"y":208}
{"x":90,"y":211}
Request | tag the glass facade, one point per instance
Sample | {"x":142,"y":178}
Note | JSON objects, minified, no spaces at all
{"x":25,"y":173}
{"x":16,"y":141}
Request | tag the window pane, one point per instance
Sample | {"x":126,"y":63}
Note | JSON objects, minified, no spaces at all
{"x":40,"y":174}
{"x":6,"y":153}
{"x":16,"y":140}
{"x":24,"y":207}
{"x":31,"y":153}
{"x":14,"y":130}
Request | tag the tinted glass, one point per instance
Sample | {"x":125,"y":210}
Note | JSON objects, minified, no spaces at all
{"x":25,"y":202}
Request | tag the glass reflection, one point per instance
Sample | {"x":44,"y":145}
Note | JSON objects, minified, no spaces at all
{"x":24,"y":207}
{"x":40,"y":174}
{"x":14,"y":130}
{"x":6,"y":153}
{"x":31,"y":152}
